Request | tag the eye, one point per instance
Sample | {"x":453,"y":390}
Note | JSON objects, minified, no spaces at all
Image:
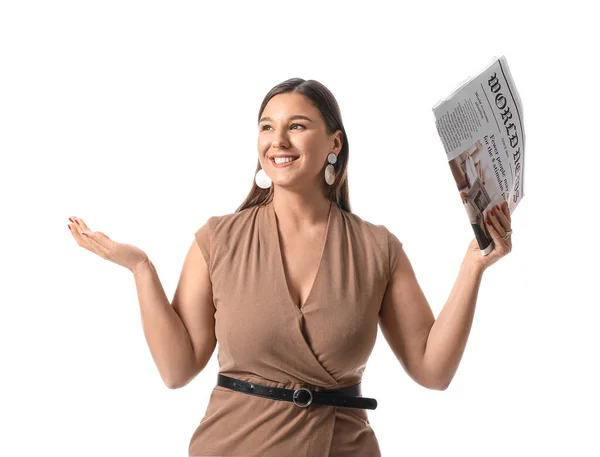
{"x":267,"y":125}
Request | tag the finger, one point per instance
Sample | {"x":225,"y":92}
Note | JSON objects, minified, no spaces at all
{"x":494,"y":220}
{"x":492,"y":231}
{"x":87,"y":242}
{"x":79,"y":223}
{"x":496,"y":224}
{"x":500,"y":244}
{"x":503,"y":222}
{"x":506,"y":210}
{"x":80,"y":226}
{"x":97,"y":242}
{"x":77,"y":227}
{"x":82,"y":240}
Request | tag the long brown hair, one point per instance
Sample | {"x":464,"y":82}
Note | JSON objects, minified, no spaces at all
{"x":328,"y":106}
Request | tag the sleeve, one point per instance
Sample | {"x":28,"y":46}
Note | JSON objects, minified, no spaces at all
{"x":203,"y":238}
{"x":394,"y":250}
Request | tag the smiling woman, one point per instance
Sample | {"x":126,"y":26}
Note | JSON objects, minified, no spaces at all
{"x":308,"y":141}
{"x":293,"y":286}
{"x":297,"y":283}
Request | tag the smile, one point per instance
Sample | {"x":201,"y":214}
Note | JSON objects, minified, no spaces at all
{"x":284,"y":164}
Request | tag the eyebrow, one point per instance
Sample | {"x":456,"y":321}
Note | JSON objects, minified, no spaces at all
{"x":295,"y":116}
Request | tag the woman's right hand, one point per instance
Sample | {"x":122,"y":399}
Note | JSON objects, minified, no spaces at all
{"x":126,"y":255}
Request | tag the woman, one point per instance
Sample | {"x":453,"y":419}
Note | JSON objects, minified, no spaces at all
{"x":292,"y":286}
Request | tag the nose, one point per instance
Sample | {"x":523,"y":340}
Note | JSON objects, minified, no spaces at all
{"x":280,"y":139}
{"x":278,"y":145}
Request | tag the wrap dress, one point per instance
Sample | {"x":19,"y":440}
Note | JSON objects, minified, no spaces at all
{"x":264,"y":337}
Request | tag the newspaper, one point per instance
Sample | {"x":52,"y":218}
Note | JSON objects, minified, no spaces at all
{"x":481,"y":127}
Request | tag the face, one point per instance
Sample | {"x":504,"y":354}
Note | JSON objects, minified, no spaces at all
{"x":290,"y":124}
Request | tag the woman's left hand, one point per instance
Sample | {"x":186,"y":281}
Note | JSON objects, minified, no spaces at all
{"x":500,"y":226}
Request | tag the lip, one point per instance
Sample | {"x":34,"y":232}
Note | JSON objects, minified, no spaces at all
{"x":283,"y":165}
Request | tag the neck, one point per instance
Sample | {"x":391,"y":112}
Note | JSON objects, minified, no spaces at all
{"x":295,"y":211}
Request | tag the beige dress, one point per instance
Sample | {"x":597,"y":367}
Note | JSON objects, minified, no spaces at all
{"x":264,"y":337}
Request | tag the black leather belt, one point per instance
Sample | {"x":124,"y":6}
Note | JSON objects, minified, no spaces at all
{"x":302,"y":397}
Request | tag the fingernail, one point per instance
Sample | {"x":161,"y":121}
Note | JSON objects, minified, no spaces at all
{"x":77,"y":222}
{"x":497,"y":208}
{"x":69,"y":227}
{"x":492,"y":212}
{"x":489,"y":223}
{"x":71,"y":219}
{"x":85,"y":233}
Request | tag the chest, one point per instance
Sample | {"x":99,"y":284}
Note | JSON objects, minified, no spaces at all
{"x":301,"y":257}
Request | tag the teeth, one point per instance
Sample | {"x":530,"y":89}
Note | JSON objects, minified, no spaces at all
{"x":279,"y":160}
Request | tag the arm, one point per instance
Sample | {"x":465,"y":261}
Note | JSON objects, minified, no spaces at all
{"x":429,"y":350}
{"x":448,"y":335}
{"x":177,"y":356}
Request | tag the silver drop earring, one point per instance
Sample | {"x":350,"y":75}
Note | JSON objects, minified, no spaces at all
{"x":329,"y":170}
{"x":262,"y":180}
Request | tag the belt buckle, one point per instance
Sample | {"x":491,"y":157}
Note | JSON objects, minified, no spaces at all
{"x":295,"y":396}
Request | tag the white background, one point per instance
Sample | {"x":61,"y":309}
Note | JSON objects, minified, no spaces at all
{"x":140,"y":118}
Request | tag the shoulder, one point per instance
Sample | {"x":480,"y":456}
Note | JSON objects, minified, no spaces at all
{"x":388,"y":244}
{"x":229,"y":223}
{"x":378,"y":232}
{"x":218,"y":229}
{"x":236,"y":218}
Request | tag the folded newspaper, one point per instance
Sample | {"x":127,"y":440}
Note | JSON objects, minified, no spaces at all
{"x":481,"y":127}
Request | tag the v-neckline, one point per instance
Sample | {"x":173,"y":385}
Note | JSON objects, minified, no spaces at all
{"x":279,"y":254}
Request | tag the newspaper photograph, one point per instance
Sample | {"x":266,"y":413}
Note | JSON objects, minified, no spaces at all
{"x":481,"y":127}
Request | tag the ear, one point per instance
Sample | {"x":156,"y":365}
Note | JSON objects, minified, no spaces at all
{"x":338,"y":140}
